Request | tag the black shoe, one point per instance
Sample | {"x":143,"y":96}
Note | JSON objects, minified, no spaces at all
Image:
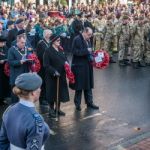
{"x":93,"y":106}
{"x":52,"y":113}
{"x":60,"y":113}
{"x":78,"y":108}
{"x":135,"y":65}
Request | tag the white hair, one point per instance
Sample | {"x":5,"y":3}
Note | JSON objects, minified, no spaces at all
{"x":46,"y":31}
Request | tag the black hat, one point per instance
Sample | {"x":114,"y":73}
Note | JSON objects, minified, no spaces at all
{"x":19,"y":21}
{"x":21,"y":32}
{"x":2,"y":39}
{"x":10,"y":22}
{"x":28,"y":81}
{"x":54,"y":37}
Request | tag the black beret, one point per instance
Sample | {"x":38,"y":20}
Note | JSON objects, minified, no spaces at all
{"x":2,"y":39}
{"x":19,"y":21}
{"x":28,"y":81}
{"x":21,"y":32}
{"x":10,"y":22}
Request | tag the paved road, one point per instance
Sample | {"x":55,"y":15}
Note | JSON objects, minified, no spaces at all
{"x":123,"y":95}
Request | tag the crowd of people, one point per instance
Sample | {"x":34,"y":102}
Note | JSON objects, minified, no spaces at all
{"x":37,"y":40}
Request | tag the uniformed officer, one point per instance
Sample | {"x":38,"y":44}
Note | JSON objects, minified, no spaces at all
{"x":22,"y":127}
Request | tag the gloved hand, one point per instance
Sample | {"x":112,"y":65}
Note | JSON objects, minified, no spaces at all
{"x":57,"y":74}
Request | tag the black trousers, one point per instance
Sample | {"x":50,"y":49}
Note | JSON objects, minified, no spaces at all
{"x":88,"y":96}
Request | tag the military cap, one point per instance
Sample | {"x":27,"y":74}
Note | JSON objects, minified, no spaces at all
{"x":141,"y":18}
{"x":28,"y":81}
{"x":21,"y":32}
{"x":19,"y":21}
{"x":10,"y":22}
{"x":2,"y":39}
{"x":125,"y":17}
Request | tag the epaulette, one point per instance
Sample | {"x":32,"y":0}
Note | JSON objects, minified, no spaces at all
{"x":38,"y":122}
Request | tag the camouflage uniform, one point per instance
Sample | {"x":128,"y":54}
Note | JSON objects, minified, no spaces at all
{"x":123,"y":33}
{"x":147,"y":43}
{"x":109,"y":37}
{"x":137,"y":32}
{"x":98,"y":35}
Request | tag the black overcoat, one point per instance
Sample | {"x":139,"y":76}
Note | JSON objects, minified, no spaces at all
{"x":41,"y":47}
{"x":4,"y":80}
{"x":54,"y":61}
{"x":16,"y":68}
{"x":81,"y":65}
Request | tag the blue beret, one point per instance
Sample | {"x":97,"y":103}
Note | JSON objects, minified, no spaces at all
{"x":28,"y":81}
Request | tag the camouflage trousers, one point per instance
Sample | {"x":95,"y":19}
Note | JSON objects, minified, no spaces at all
{"x":138,"y":53}
{"x":123,"y":51}
{"x":108,"y":46}
{"x":98,"y":41}
{"x":147,"y":52}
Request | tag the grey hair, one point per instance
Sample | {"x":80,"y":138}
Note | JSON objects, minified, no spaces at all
{"x":46,"y":31}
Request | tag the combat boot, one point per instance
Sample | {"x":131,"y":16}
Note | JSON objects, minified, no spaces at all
{"x":127,"y":62}
{"x":135,"y":65}
{"x":142,"y":64}
{"x":122,"y":63}
{"x":112,"y":60}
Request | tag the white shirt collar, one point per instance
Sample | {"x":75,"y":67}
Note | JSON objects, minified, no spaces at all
{"x":26,"y":103}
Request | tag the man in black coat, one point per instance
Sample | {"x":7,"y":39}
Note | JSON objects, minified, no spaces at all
{"x":12,"y":34}
{"x":4,"y":80}
{"x":41,"y":47}
{"x":82,"y":69}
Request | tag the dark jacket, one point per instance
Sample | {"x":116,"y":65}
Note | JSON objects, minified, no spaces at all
{"x":81,"y":65}
{"x":4,"y":80}
{"x":12,"y":35}
{"x":16,"y":68}
{"x":54,"y":61}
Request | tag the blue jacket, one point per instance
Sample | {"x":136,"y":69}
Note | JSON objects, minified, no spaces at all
{"x":22,"y":127}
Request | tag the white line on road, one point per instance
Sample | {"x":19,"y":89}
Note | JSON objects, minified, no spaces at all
{"x":92,"y":116}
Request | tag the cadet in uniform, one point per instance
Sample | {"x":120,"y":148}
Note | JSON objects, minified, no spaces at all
{"x":22,"y":127}
{"x":123,"y":32}
{"x":109,"y":36}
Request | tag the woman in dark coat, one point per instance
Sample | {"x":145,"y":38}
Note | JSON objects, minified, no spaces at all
{"x":4,"y":80}
{"x":54,"y":61}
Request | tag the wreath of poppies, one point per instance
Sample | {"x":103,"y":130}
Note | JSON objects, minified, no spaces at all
{"x":104,"y":60}
{"x":69,"y":73}
{"x":35,"y":65}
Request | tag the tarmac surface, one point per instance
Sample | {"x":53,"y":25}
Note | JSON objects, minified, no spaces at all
{"x":123,"y":94}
